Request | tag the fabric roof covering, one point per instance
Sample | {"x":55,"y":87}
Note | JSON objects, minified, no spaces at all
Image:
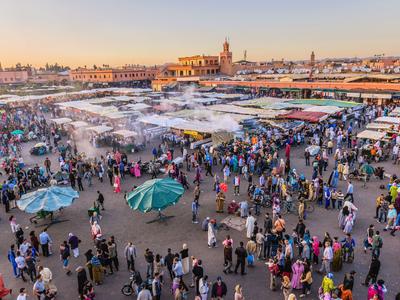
{"x":100,"y":129}
{"x":378,"y":126}
{"x":125,"y":133}
{"x":309,"y":116}
{"x":371,"y":135}
{"x":326,"y":102}
{"x":60,"y":121}
{"x":79,"y":124}
{"x":392,"y":120}
{"x":325,"y":109}
{"x":137,"y":106}
{"x":395,"y":112}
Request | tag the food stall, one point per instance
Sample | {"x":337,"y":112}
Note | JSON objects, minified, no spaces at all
{"x":99,"y":135}
{"x":125,"y":139}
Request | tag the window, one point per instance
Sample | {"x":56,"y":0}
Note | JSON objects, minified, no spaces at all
{"x":90,"y":76}
{"x":206,"y":61}
{"x":104,"y":76}
{"x":189,"y":73}
{"x":115,"y":75}
{"x":95,"y":76}
{"x":126,"y":75}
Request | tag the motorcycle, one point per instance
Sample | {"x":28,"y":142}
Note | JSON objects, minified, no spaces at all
{"x":132,"y":288}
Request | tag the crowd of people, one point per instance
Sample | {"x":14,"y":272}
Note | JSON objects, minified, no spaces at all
{"x":258,"y":169}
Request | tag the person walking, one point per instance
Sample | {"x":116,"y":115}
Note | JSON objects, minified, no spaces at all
{"x":73,"y":242}
{"x":169,"y":261}
{"x":65,"y":254}
{"x":21,"y":265}
{"x":79,"y":181}
{"x":156,"y":287}
{"x":113,"y":255}
{"x":373,"y":271}
{"x":241,"y":255}
{"x":377,"y":244}
{"x":100,"y":200}
{"x":326,"y":258}
{"x":82,"y":281}
{"x":11,"y":258}
{"x":218,"y":289}
{"x":130,"y":256}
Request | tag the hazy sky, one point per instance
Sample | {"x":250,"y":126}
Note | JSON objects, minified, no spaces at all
{"x":117,"y":32}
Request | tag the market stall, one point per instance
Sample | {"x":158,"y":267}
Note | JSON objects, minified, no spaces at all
{"x":371,"y":135}
{"x":307,"y":116}
{"x":99,"y":135}
{"x":61,"y":121}
{"x":389,"y":120}
{"x":125,"y":139}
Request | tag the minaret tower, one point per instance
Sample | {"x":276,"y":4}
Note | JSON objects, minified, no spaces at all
{"x":225,"y":60}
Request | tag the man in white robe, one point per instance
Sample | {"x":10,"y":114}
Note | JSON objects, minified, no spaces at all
{"x":250,"y":225}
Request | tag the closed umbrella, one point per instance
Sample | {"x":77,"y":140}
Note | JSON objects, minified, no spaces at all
{"x":156,"y":194}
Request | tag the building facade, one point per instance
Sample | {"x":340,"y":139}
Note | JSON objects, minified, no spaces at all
{"x":13,"y":77}
{"x":113,"y":75}
{"x":194,"y":68}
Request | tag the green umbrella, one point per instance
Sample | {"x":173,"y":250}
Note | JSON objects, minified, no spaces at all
{"x":155,"y":194}
{"x":17,"y":132}
{"x":368,"y":169}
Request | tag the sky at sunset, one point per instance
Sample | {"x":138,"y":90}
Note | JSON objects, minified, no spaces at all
{"x":118,"y":32}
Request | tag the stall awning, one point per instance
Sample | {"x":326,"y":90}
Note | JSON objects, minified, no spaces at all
{"x":125,"y":133}
{"x":379,"y":126}
{"x":78,"y":124}
{"x":309,"y":116}
{"x":100,"y":129}
{"x":61,"y":121}
{"x":390,"y":120}
{"x":371,"y":135}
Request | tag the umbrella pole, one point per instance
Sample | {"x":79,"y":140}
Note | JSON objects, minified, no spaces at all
{"x":160,"y":218}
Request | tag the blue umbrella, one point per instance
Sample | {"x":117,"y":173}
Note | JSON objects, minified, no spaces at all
{"x":47,"y":199}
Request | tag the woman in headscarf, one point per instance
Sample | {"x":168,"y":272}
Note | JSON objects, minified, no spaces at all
{"x":315,"y":248}
{"x":95,"y":230}
{"x":297,"y":269}
{"x":337,"y":261}
{"x":137,"y":170}
{"x":117,"y":184}
{"x":348,"y":224}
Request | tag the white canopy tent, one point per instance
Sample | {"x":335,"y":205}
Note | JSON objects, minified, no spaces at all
{"x":61,"y":121}
{"x":330,"y":110}
{"x":125,"y":133}
{"x":100,"y":129}
{"x":371,"y":135}
{"x":378,"y":126}
{"x":79,"y":124}
{"x":390,"y":120}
